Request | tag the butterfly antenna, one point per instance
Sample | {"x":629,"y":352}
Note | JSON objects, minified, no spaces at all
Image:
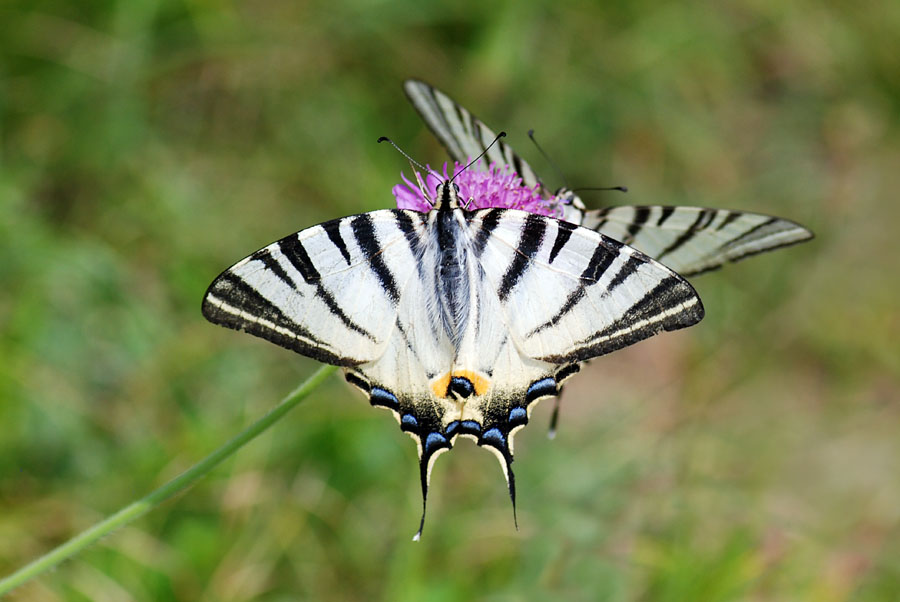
{"x":483,"y":153}
{"x":619,"y":188}
{"x":400,"y":150}
{"x":408,"y":158}
{"x":559,"y":173}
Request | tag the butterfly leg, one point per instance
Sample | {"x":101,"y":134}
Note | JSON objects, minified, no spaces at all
{"x":564,"y":373}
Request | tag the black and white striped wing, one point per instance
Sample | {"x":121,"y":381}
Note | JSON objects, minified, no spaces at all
{"x":462,"y":134}
{"x":692,"y":240}
{"x":570,"y":294}
{"x":329,"y":292}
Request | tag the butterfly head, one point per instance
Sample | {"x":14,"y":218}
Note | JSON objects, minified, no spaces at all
{"x":446,"y":197}
{"x":572,"y":206}
{"x":566,"y":197}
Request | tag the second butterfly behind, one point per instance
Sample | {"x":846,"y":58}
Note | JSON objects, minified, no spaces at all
{"x":690,"y":240}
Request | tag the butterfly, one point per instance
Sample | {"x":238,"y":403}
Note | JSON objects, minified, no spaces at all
{"x":458,"y":322}
{"x":689,"y":240}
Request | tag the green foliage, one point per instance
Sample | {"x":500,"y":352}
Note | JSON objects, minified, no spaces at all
{"x":145,"y":146}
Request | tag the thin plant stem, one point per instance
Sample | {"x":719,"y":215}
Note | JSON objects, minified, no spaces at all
{"x":178,"y":484}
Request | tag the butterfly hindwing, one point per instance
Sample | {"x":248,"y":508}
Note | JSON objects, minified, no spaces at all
{"x":483,"y":396}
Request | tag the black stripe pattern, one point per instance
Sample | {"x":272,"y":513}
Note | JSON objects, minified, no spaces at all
{"x":530,"y":241}
{"x":295,"y":291}
{"x":364,"y":232}
{"x":563,"y":233}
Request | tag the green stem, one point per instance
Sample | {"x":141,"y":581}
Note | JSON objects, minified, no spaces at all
{"x":176,"y":485}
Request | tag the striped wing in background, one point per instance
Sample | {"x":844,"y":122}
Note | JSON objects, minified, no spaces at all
{"x":461,"y":133}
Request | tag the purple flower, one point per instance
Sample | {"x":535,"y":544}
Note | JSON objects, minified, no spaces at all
{"x":479,"y":188}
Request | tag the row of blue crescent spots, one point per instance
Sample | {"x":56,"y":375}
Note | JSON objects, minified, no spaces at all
{"x":463,"y":387}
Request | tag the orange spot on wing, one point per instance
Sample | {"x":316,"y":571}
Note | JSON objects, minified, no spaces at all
{"x":439,"y":387}
{"x":480,"y":383}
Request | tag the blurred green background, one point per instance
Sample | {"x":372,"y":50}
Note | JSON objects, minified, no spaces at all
{"x":148,"y":145}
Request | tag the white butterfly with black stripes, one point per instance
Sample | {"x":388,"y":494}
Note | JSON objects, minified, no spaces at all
{"x":456,"y":321}
{"x":689,"y":240}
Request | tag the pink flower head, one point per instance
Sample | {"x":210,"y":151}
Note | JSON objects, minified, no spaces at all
{"x":479,"y":188}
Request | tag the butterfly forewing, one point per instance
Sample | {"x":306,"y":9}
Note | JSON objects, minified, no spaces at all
{"x":329,"y":292}
{"x":570,"y":294}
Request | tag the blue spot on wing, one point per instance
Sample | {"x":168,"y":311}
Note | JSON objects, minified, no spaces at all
{"x":518,"y":416}
{"x":409,"y":421}
{"x":465,"y":427}
{"x":384,"y":398}
{"x":494,"y":437}
{"x":541,"y":388}
{"x":433,"y":442}
{"x":470,"y":427}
